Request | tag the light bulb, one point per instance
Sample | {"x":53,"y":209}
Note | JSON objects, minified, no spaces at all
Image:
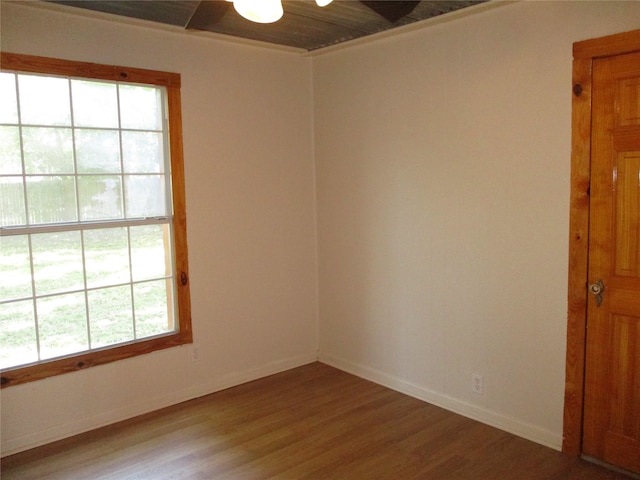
{"x":260,"y":11}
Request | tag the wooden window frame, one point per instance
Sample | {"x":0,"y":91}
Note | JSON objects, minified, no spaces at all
{"x":171,"y":82}
{"x":584,"y":53}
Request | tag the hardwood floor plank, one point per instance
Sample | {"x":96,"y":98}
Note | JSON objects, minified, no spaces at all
{"x":312,"y":422}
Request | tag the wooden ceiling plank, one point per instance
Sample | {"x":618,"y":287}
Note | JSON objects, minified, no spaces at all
{"x":430,"y":8}
{"x":304,"y":24}
{"x":207,"y":14}
{"x":339,"y":19}
{"x":169,"y":12}
{"x":292,"y":31}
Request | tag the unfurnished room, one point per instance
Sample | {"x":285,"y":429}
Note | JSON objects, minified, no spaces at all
{"x":328,"y":240}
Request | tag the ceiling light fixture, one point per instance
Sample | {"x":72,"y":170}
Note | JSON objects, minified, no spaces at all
{"x":259,"y":11}
{"x":264,"y":11}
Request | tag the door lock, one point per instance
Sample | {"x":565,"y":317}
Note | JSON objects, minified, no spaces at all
{"x":597,"y":289}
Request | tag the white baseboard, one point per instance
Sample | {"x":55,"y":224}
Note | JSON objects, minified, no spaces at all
{"x":25,"y":442}
{"x":233,"y":379}
{"x":508,"y":424}
{"x":488,"y":417}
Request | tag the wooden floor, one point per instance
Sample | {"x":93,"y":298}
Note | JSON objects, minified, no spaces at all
{"x":313,"y":422}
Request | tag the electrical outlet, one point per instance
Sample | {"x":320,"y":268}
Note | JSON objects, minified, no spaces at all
{"x":477,"y":384}
{"x":195,"y":353}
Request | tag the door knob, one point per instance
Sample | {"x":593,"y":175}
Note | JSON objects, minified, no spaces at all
{"x":597,"y":289}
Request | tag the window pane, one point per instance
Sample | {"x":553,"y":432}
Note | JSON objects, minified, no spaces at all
{"x":62,"y":325}
{"x":142,"y":152}
{"x":57,"y":262}
{"x":17,"y":334}
{"x":12,"y":211}
{"x":106,"y":252}
{"x":150,"y":252}
{"x":47,"y":150}
{"x":98,"y":151}
{"x":9,"y":110}
{"x":85,"y":176}
{"x":15,"y":268}
{"x":100,"y":197}
{"x":10,"y":160}
{"x":51,"y":199}
{"x":110,"y":314}
{"x":140,"y":107}
{"x":95,"y":104}
{"x":44,"y":100}
{"x":152,"y":307}
{"x":145,"y":196}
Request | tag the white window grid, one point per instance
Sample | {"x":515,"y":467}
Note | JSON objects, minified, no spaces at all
{"x":84,"y":225}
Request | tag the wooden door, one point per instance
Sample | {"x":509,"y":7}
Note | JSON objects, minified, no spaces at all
{"x":611,"y":422}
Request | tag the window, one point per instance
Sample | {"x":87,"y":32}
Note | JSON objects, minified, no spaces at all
{"x":93,"y":253}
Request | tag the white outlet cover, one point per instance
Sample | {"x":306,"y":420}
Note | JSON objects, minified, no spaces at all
{"x":477,"y":385}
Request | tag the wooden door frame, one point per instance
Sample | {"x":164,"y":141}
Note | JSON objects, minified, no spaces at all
{"x":584,"y":53}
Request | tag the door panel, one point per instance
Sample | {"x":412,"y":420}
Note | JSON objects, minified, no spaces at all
{"x":628,"y":94}
{"x":611,"y":430}
{"x":627,"y":260}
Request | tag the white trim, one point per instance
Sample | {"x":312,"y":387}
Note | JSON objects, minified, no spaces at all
{"x":488,"y":417}
{"x":233,"y":379}
{"x":82,"y":425}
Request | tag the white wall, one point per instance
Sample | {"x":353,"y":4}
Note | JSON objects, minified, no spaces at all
{"x":247,"y":120}
{"x":442,"y":163}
